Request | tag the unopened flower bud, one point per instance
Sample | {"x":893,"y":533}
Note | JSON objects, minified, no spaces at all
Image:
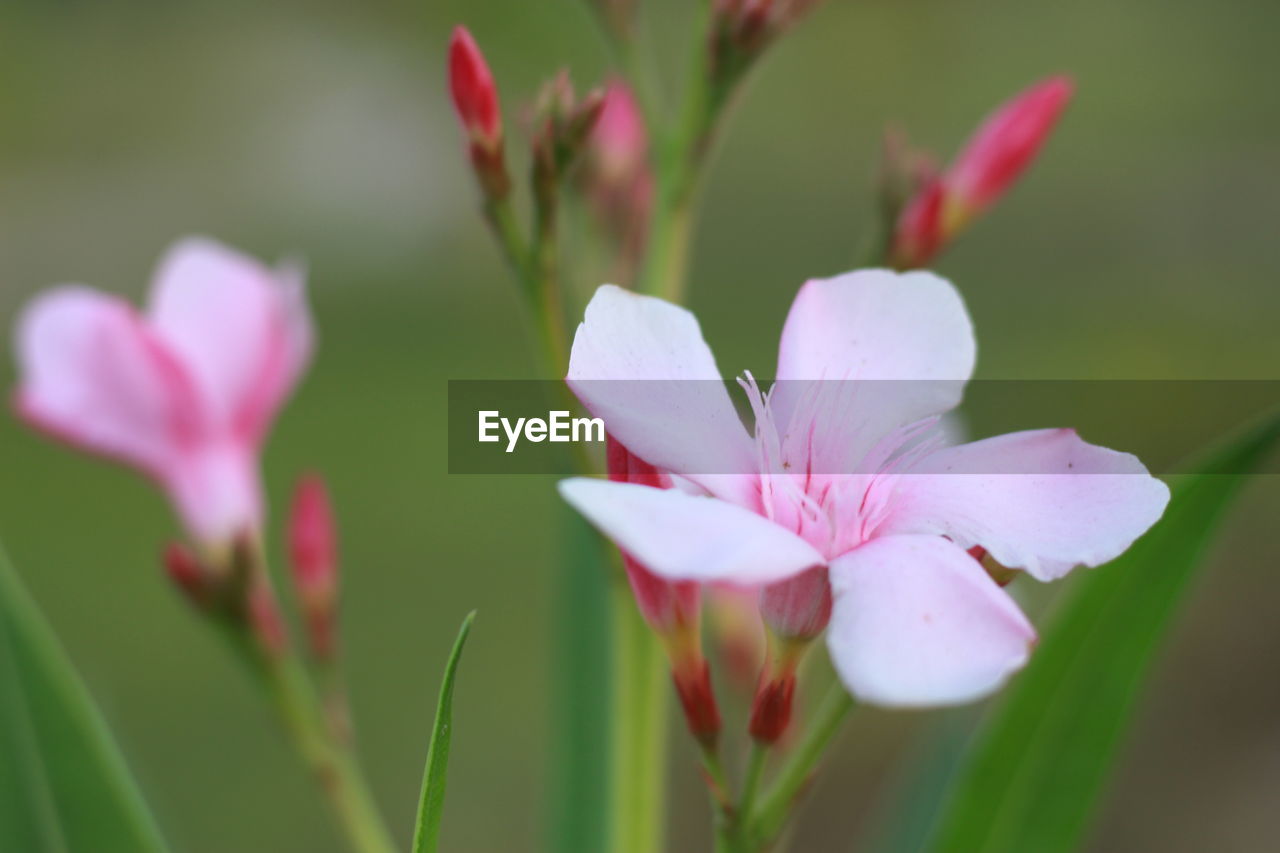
{"x":619,"y":142}
{"x":1001,"y":149}
{"x":798,"y":608}
{"x":313,"y":555}
{"x":998,"y":153}
{"x":562,"y":125}
{"x":475,"y":98}
{"x":771,"y":710}
{"x":617,"y":180}
{"x":742,"y":29}
{"x":775,"y":693}
{"x":698,"y":700}
{"x":918,"y":236}
{"x":187,"y":574}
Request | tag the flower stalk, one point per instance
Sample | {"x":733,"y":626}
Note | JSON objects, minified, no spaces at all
{"x":768,"y":819}
{"x":238,"y":598}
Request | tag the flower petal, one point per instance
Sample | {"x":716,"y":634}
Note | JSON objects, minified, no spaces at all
{"x":641,"y":365}
{"x":241,"y":329}
{"x":680,"y":537}
{"x":92,"y":374}
{"x":844,"y":337}
{"x":1043,"y":500}
{"x":217,"y":491}
{"x":916,"y":622}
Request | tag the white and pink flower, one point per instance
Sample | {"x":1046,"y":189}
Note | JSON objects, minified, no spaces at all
{"x":185,"y":392}
{"x":841,"y":485}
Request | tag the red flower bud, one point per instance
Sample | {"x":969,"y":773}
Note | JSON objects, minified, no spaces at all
{"x":1002,"y":148}
{"x":313,"y":556}
{"x":918,"y":236}
{"x":996,"y":155}
{"x":475,"y":97}
{"x":187,"y":573}
{"x":771,"y":711}
{"x":775,"y":693}
{"x":698,"y":700}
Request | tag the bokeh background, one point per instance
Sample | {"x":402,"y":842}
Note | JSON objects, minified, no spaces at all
{"x":1142,"y":245}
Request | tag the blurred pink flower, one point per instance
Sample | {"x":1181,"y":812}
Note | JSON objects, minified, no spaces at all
{"x":839,"y":476}
{"x":619,"y":141}
{"x":185,"y":393}
{"x":619,"y":181}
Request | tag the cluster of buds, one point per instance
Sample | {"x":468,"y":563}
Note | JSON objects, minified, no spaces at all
{"x":928,"y":207}
{"x":475,"y":98}
{"x":672,"y":610}
{"x":231,"y":585}
{"x":231,"y":589}
{"x":741,"y":30}
{"x":561,"y":122}
{"x":562,"y":126}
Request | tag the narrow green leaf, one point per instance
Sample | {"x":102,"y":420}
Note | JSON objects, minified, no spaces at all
{"x":431,"y":807}
{"x":65,"y":785}
{"x":582,"y":679}
{"x":1034,"y":775}
{"x":903,"y":821}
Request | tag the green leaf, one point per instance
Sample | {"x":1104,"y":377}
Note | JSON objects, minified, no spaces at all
{"x":1034,"y":775}
{"x":579,"y":777}
{"x":431,"y":807}
{"x":65,"y":785}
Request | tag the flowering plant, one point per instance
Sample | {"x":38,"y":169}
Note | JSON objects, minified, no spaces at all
{"x":716,"y":540}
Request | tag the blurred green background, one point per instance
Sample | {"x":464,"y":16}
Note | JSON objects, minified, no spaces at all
{"x":1142,"y":245}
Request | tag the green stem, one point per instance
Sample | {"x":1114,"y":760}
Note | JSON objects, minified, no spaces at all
{"x":535,"y":268}
{"x":751,"y":782}
{"x":776,"y":805}
{"x":639,"y":736}
{"x":733,"y":824}
{"x":681,"y":163}
{"x":717,"y":781}
{"x":333,"y":766}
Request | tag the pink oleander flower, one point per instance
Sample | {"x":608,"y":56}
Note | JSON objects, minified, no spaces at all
{"x":186,"y":392}
{"x":840,"y":477}
{"x":994,"y":157}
